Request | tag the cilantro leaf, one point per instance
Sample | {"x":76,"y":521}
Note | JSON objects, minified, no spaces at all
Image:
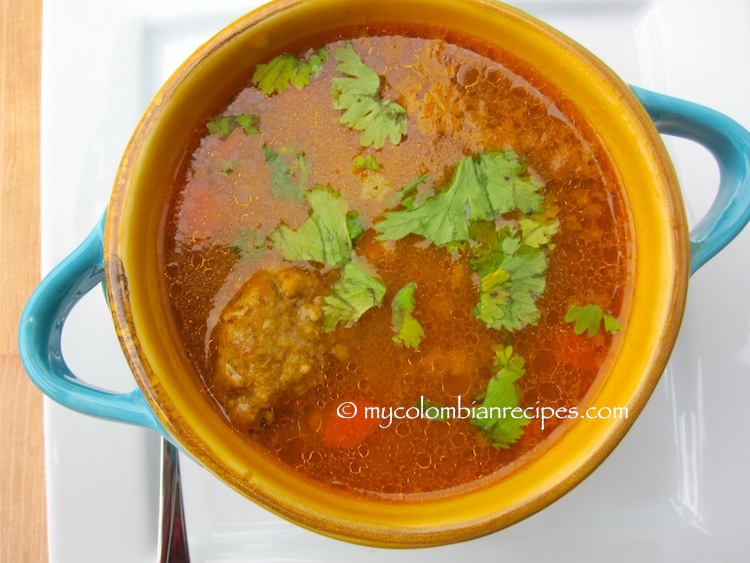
{"x":536,"y":234}
{"x":352,"y":295}
{"x":406,"y":195}
{"x":248,"y":244}
{"x":506,"y":186}
{"x":282,"y":185}
{"x":611,"y":324}
{"x":487,"y":246}
{"x":494,"y":297}
{"x":361,"y":79}
{"x":483,"y":188}
{"x":355,"y":224}
{"x":365,"y":162}
{"x":225,"y":124}
{"x":280,"y":72}
{"x":502,"y":420}
{"x":384,"y":120}
{"x":324,"y":237}
{"x":512,"y":279}
{"x":589,"y":318}
{"x":409,"y":332}
{"x":358,"y":95}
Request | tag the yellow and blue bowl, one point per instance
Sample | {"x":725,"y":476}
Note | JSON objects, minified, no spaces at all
{"x":123,"y":252}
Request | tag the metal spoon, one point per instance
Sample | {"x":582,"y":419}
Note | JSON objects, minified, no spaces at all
{"x":173,"y":545}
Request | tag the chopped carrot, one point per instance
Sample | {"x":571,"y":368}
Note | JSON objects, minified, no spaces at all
{"x":348,"y":433}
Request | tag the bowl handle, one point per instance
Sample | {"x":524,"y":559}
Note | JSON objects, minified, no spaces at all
{"x":729,"y":143}
{"x":40,"y":332}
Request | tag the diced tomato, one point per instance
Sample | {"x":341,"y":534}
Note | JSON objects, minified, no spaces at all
{"x":348,"y":433}
{"x":577,"y":350}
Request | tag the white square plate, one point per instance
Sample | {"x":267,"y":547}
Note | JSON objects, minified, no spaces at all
{"x":676,"y":489}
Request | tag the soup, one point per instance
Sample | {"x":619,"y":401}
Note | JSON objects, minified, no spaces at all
{"x":388,"y":254}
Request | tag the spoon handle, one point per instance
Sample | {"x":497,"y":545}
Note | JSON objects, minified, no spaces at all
{"x":173,"y":545}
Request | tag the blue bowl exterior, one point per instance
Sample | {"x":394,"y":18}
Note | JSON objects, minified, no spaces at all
{"x":40,"y":334}
{"x":729,"y":143}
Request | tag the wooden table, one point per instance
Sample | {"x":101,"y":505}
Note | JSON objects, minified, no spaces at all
{"x":23,"y":529}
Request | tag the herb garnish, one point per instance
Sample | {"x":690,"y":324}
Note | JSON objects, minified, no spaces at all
{"x":355,"y":224}
{"x":409,"y":332}
{"x":512,"y":273}
{"x":500,"y":417}
{"x":280,"y":72}
{"x":282,"y":183}
{"x":365,"y":162}
{"x":225,"y":124}
{"x":248,"y":244}
{"x":324,"y":237}
{"x":352,"y":295}
{"x":407,"y":195}
{"x":483,"y":188}
{"x":589,"y":318}
{"x":537,"y":234}
{"x":358,"y":94}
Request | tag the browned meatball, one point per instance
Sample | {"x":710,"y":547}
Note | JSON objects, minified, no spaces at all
{"x":269,"y":344}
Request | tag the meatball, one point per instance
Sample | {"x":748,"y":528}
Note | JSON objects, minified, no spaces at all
{"x":269,"y":344}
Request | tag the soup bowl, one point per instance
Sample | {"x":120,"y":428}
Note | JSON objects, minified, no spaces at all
{"x":123,"y":252}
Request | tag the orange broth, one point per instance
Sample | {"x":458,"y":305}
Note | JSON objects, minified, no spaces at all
{"x":459,"y":102}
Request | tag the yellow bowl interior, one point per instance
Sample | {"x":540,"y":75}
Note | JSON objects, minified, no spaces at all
{"x":136,"y":220}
